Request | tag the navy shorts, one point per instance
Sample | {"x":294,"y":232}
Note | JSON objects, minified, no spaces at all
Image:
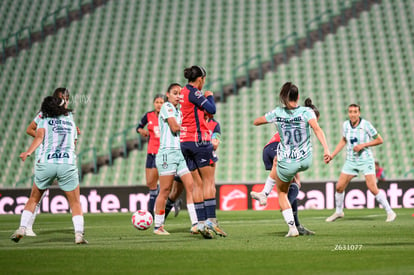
{"x":269,"y":153}
{"x":198,"y":155}
{"x":150,"y":161}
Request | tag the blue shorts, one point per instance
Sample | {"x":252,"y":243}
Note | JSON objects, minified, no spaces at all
{"x":198,"y":155}
{"x":269,"y":153}
{"x":151,"y":161}
{"x":366,"y":167}
{"x":171,"y":162}
{"x":66,"y":175}
{"x":287,"y":170}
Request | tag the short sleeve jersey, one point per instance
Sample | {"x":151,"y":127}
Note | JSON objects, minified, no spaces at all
{"x":214,"y":127}
{"x":58,"y":144}
{"x":37,"y":120}
{"x":362,"y":133}
{"x":293,"y":127}
{"x":168,"y":139}
{"x":194,"y":126}
{"x":151,"y":120}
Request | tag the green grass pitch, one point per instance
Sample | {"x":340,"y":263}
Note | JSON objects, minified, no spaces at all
{"x":361,"y":243}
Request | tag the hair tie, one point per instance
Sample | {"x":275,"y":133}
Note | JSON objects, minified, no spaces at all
{"x":62,"y":102}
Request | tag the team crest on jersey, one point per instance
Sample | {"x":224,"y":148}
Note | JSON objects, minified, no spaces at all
{"x":165,"y":165}
{"x":198,"y":93}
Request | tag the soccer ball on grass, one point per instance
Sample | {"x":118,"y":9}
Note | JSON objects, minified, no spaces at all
{"x":141,"y":219}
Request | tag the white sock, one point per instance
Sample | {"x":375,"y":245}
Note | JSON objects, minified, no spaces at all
{"x":78,"y":223}
{"x":192,"y":213}
{"x":25,"y":218}
{"x":339,"y":201}
{"x":32,"y":219}
{"x":288,"y":216}
{"x":269,"y":184}
{"x":159,"y":220}
{"x":381,"y":199}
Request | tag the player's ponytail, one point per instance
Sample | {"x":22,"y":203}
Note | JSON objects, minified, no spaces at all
{"x":194,"y":72}
{"x":308,"y":103}
{"x":288,"y":93}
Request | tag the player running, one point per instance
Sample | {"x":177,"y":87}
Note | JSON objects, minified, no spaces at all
{"x":358,"y":135}
{"x":294,"y":154}
{"x":169,"y":160}
{"x":57,"y":135}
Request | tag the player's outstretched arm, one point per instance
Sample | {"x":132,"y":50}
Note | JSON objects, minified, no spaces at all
{"x":38,"y":139}
{"x":260,"y":121}
{"x":321,"y":137}
{"x":31,"y":129}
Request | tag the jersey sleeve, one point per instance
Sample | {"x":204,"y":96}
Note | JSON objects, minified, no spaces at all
{"x":372,"y":132}
{"x":309,"y":114}
{"x":41,"y":124}
{"x":38,"y":118}
{"x":216,"y":132}
{"x":344,"y":128}
{"x":271,"y":116}
{"x":143,"y":122}
{"x":167,"y":111}
{"x":198,"y":99}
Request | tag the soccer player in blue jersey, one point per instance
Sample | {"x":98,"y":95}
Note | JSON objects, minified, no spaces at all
{"x":294,"y":154}
{"x":358,"y":135}
{"x":170,"y":161}
{"x":57,"y":135}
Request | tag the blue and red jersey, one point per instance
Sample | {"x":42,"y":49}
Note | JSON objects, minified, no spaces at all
{"x":275,"y":138}
{"x":214,"y":127}
{"x":193,"y":103}
{"x":151,"y":120}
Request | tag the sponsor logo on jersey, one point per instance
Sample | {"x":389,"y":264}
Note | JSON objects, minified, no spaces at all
{"x":58,"y":155}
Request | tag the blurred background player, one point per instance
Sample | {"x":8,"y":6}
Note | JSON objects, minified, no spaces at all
{"x":379,"y":171}
{"x":270,"y":163}
{"x":62,"y":93}
{"x":57,"y":134}
{"x":294,"y":155}
{"x":358,"y":135}
{"x":197,"y":149}
{"x":170,"y":161}
{"x":150,"y":119}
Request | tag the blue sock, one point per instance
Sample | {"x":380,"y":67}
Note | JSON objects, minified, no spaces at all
{"x":295,"y":212}
{"x":210,"y":205}
{"x":168,"y":206}
{"x":151,"y":203}
{"x":200,"y":211}
{"x":292,"y":194}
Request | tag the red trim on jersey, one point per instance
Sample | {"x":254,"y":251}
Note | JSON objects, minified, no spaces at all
{"x":154,"y":133}
{"x":275,"y":138}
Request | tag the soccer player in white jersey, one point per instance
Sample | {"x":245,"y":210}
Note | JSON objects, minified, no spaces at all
{"x":31,"y":131}
{"x":294,"y":155}
{"x":358,"y":135}
{"x":170,"y":161}
{"x":57,"y":134}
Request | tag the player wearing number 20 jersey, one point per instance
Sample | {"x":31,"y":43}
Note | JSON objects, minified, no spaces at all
{"x":295,"y":144}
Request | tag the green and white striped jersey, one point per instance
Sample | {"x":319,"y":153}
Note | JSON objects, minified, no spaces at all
{"x":58,"y":144}
{"x":362,"y":133}
{"x":168,"y":139}
{"x":293,"y":127}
